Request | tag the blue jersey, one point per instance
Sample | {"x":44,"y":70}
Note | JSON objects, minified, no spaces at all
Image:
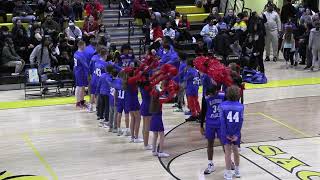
{"x":93,"y":61}
{"x":80,"y":64}
{"x":213,"y":111}
{"x":89,"y":52}
{"x":111,"y":96}
{"x":99,"y":69}
{"x":121,"y":93}
{"x":104,"y":83}
{"x":126,"y":60}
{"x":206,"y":82}
{"x":182,"y":71}
{"x":193,"y":82}
{"x":110,"y":63}
{"x":231,"y":118}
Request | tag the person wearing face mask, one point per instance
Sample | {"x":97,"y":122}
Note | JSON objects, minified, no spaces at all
{"x":9,"y":57}
{"x":273,"y":28}
{"x":314,"y":45}
{"x":209,"y":32}
{"x":73,"y":32}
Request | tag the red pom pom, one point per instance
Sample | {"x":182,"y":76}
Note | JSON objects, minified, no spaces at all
{"x":169,"y":70}
{"x":201,"y":63}
{"x":219,"y":73}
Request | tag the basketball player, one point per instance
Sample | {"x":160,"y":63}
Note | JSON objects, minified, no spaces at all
{"x":81,"y":71}
{"x":231,"y":119}
{"x":213,"y":99}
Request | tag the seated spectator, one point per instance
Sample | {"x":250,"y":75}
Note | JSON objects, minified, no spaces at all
{"x":3,"y":12}
{"x":183,"y":29}
{"x":73,"y":32}
{"x":23,"y":12}
{"x":90,"y":27}
{"x":230,"y":18}
{"x":306,"y":17}
{"x":213,"y":15}
{"x":9,"y":57}
{"x":36,"y":33}
{"x":50,"y":26}
{"x":94,"y":8}
{"x":4,"y":33}
{"x":140,"y":10}
{"x":201,"y":49}
{"x":168,"y":31}
{"x":240,"y":28}
{"x":209,"y":4}
{"x":156,"y":33}
{"x":103,"y":37}
{"x":209,"y":32}
{"x":78,"y":10}
{"x":21,"y":41}
{"x":236,"y":49}
{"x":250,"y":53}
{"x":222,"y":42}
{"x":67,"y":11}
{"x":162,"y":9}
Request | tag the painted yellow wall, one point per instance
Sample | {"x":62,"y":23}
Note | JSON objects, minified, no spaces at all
{"x":258,"y":5}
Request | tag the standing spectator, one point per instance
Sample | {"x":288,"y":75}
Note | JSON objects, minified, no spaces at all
{"x":78,"y":10}
{"x":314,"y":45}
{"x":23,"y":12}
{"x":168,"y":31}
{"x":273,"y":27}
{"x":306,"y":17}
{"x":90,"y":27}
{"x":209,"y":32}
{"x":73,"y":32}
{"x":67,"y":11}
{"x":140,"y":10}
{"x":270,"y":3}
{"x":230,"y":18}
{"x":288,"y":11}
{"x":21,"y":40}
{"x":9,"y":57}
{"x":94,"y":8}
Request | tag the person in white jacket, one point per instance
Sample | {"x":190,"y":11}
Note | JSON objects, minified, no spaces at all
{"x":209,"y":32}
{"x":73,"y":32}
{"x":168,"y":31}
{"x":273,"y":28}
{"x":314,"y":44}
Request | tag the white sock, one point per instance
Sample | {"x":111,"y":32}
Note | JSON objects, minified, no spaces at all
{"x":210,"y":162}
{"x":77,"y":94}
{"x":236,"y":168}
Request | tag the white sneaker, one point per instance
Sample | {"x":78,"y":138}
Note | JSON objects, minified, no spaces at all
{"x":126,"y":132}
{"x":90,"y":108}
{"x":227,"y":175}
{"x":209,"y":169}
{"x":106,"y":125}
{"x":101,"y":124}
{"x":194,"y":40}
{"x":163,"y":155}
{"x":147,"y":148}
{"x":237,"y":173}
{"x":119,"y":132}
{"x":115,"y":130}
{"x":131,"y":140}
{"x":15,"y":74}
{"x":154,"y":153}
{"x":138,"y":140}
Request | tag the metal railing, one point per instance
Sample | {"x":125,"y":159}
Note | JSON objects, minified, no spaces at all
{"x":120,"y":13}
{"x":142,"y":47}
{"x":130,"y":30}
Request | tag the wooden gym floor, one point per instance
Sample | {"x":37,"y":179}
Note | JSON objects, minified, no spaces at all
{"x":280,"y":141}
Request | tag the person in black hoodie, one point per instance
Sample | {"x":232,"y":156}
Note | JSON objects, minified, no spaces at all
{"x":250,"y":53}
{"x":288,"y":11}
{"x":222,"y":42}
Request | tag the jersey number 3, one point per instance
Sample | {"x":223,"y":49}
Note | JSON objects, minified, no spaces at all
{"x":233,"y":118}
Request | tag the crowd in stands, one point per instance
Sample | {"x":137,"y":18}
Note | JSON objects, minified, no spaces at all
{"x":45,"y":32}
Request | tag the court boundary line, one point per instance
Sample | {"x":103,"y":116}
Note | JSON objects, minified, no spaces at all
{"x":49,"y":169}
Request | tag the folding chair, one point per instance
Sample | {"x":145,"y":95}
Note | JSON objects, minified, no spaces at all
{"x":32,"y":83}
{"x":65,"y":79}
{"x":49,"y":82}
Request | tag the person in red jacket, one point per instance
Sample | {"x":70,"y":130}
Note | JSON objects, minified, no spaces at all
{"x":156,"y":32}
{"x":94,"y":8}
{"x":90,"y":27}
{"x":183,"y":29}
{"x":141,"y":10}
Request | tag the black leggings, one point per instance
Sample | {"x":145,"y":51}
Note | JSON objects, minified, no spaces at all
{"x":103,"y":107}
{"x":288,"y":55}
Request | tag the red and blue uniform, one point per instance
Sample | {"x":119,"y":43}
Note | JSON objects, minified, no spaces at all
{"x":132,"y":101}
{"x":81,"y":69}
{"x":121,"y":96}
{"x":146,"y":99}
{"x":213,"y":116}
{"x":192,"y":86}
{"x":231,"y":119}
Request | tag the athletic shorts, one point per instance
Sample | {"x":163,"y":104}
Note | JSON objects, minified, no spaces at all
{"x":144,"y":109}
{"x":133,"y":104}
{"x":81,"y":79}
{"x":213,"y":133}
{"x":121,"y":106}
{"x":226,"y":141}
{"x":156,"y":124}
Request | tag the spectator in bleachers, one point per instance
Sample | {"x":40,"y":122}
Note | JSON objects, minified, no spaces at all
{"x":4,"y":33}
{"x":3,"y":12}
{"x":73,"y":32}
{"x":222,"y":42}
{"x":209,"y":32}
{"x":214,"y":14}
{"x":66,"y":51}
{"x":209,"y":4}
{"x":201,"y":48}
{"x":78,"y":10}
{"x":23,"y":12}
{"x":273,"y":27}
{"x":36,"y":33}
{"x":240,"y":28}
{"x":103,"y":37}
{"x":306,"y":17}
{"x":66,"y":11}
{"x":50,"y":26}
{"x":94,"y":8}
{"x":184,"y":29}
{"x":249,"y":52}
{"x":235,"y":47}
{"x":162,"y":9}
{"x":156,"y":33}
{"x":288,"y":11}
{"x":230,"y":18}
{"x":168,"y":31}
{"x":21,"y":40}
{"x":270,"y":3}
{"x":9,"y":57}
{"x":90,"y":28}
{"x":140,"y":10}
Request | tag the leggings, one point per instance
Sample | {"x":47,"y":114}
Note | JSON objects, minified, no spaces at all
{"x":103,"y":107}
{"x":288,"y":55}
